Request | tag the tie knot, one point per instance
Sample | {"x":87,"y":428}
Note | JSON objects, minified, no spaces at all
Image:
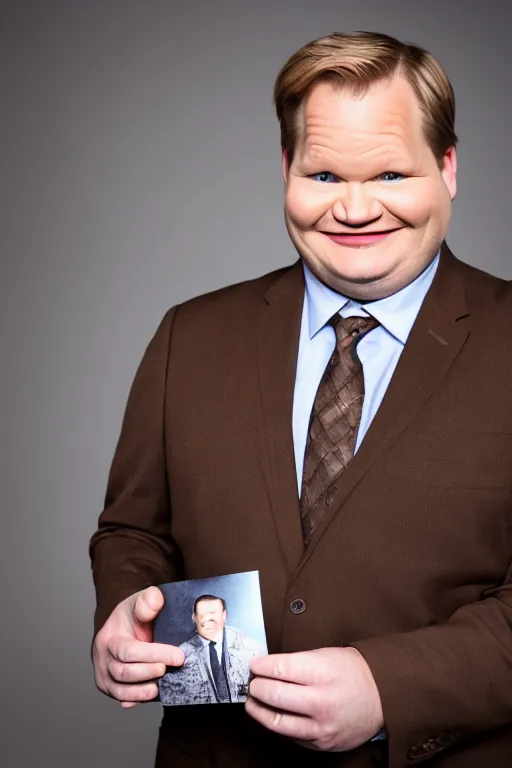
{"x":355,"y":327}
{"x":213,"y":643}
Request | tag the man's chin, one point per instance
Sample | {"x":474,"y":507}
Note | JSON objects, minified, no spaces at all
{"x":356,"y":285}
{"x":362,"y":280}
{"x":333,"y":270}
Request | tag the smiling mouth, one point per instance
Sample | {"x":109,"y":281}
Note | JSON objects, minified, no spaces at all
{"x":359,"y":239}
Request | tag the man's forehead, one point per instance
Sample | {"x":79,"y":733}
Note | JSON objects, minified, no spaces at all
{"x":389,"y":108}
{"x":209,"y":605}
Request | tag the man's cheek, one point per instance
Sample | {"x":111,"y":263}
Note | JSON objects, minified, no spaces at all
{"x":304,"y":210}
{"x":306,"y":218}
{"x":413,"y":206}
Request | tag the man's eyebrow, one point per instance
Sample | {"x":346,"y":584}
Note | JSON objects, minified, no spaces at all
{"x":322,"y":162}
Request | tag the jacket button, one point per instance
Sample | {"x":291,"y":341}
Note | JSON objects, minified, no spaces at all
{"x":298,"y":606}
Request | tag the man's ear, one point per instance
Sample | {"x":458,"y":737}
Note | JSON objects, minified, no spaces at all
{"x":285,"y":165}
{"x":449,"y":171}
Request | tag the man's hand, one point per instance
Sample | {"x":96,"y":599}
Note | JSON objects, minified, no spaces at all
{"x":126,"y":661}
{"x":325,"y":699}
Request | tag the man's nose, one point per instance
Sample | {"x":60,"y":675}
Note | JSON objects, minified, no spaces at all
{"x":355,"y":205}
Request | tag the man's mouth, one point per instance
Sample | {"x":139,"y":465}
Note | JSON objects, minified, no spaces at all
{"x":360,"y":239}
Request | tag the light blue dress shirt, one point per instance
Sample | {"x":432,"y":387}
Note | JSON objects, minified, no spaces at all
{"x":379,"y":350}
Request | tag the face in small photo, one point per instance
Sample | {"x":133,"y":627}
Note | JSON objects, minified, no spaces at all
{"x":209,"y":616}
{"x":218,"y":640}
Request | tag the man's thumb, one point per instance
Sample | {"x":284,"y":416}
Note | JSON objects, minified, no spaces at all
{"x":148,"y":604}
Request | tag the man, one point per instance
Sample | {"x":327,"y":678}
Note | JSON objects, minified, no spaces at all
{"x":216,"y":666}
{"x":381,"y":527}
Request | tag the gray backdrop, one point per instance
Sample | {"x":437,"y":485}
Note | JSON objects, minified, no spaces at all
{"x":140,"y":166}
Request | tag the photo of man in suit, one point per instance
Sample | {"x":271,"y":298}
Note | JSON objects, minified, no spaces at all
{"x":343,"y":426}
{"x":216,"y":666}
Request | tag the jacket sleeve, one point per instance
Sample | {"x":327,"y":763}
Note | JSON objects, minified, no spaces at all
{"x":132,"y":547}
{"x":444,"y":683}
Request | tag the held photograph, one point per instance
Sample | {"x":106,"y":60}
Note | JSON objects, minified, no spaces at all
{"x":218,"y":623}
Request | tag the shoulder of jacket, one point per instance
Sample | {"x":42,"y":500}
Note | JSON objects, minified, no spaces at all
{"x":237,"y":294}
{"x":193,"y":643}
{"x":483,"y":287}
{"x":235,"y":636}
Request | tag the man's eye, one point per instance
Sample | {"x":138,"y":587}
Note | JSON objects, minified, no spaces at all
{"x":391,"y":176}
{"x":324,"y":176}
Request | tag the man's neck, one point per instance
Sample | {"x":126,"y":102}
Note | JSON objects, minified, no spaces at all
{"x":217,"y":639}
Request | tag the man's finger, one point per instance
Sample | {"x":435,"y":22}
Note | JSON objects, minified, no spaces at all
{"x":297,"y":699}
{"x":293,"y":726}
{"x":128,"y":650}
{"x":148,"y":605}
{"x":302,"y":668}
{"x":133,"y":693}
{"x":135,"y":672}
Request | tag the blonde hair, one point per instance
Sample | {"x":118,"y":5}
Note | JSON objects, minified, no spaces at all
{"x":357,"y":60}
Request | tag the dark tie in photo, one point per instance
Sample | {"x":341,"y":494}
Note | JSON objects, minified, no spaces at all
{"x":219,"y":678}
{"x":334,"y":421}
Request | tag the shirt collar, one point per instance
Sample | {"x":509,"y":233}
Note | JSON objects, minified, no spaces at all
{"x":396,"y":313}
{"x":217,"y":639}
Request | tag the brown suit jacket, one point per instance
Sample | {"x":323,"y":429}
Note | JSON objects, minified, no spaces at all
{"x":413,"y":564}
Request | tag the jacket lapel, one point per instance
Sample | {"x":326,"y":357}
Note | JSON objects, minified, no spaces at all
{"x":278,"y":341}
{"x":437,"y":336}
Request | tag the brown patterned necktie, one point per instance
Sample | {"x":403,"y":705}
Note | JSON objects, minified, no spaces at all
{"x":334,"y":421}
